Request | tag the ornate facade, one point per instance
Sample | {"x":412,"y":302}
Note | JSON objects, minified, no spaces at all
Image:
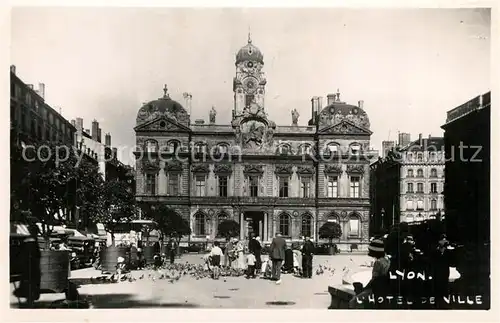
{"x":267,"y":177}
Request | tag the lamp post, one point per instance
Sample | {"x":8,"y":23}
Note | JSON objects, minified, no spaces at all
{"x":382,"y":213}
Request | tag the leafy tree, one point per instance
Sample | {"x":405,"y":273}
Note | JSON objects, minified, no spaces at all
{"x":170,"y":223}
{"x":117,"y":205}
{"x":45,"y":178}
{"x":228,"y":229}
{"x":330,"y":231}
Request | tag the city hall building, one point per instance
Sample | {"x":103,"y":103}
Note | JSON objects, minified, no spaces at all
{"x":268,"y":177}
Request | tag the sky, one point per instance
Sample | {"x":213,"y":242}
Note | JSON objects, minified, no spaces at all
{"x":409,"y":66}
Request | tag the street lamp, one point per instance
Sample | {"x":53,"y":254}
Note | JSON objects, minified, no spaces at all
{"x":382,"y":213}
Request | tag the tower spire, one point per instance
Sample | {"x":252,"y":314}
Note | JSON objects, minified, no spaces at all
{"x":249,"y":35}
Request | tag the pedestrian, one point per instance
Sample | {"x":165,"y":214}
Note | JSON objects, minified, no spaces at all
{"x":214,"y":258}
{"x":257,"y":253}
{"x":441,"y":261}
{"x":172,"y":246}
{"x":307,"y":258}
{"x":241,"y":264}
{"x":277,"y":255}
{"x":228,"y":253}
{"x":251,"y":265}
{"x":379,"y":274}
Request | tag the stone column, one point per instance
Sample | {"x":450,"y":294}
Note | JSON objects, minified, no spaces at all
{"x":265,"y":236}
{"x":242,"y":228}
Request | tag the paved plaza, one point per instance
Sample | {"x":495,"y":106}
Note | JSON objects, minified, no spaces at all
{"x":227,"y":292}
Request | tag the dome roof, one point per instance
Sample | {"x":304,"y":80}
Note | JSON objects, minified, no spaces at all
{"x":338,"y":111}
{"x":163,"y":106}
{"x":249,"y":52}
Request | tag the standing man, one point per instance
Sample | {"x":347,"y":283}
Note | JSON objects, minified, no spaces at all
{"x":171,"y":250}
{"x":228,"y":250}
{"x":307,"y":257}
{"x":277,"y":254}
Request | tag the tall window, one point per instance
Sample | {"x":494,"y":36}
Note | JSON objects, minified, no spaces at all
{"x":222,"y":149}
{"x":200,"y":185}
{"x":333,"y":148}
{"x":200,"y":148}
{"x":409,"y":173}
{"x":410,"y":188}
{"x":248,"y":99}
{"x":199,"y":224}
{"x":254,"y":185}
{"x":173,"y":146}
{"x":305,"y":186}
{"x":433,"y":204}
{"x":354,"y":189}
{"x":432,"y":156}
{"x":434,"y":188}
{"x":420,"y":205}
{"x":333,"y":184}
{"x":222,"y":185}
{"x":305,"y":149}
{"x":173,"y":184}
{"x":283,"y":186}
{"x":409,"y":157}
{"x":420,"y":157}
{"x":284,"y":149}
{"x":420,"y":173}
{"x":434,"y":172}
{"x":151,"y":184}
{"x":353,"y":226}
{"x":150,"y":146}
{"x":355,"y":148}
{"x":420,"y":187}
{"x":409,"y":205}
{"x":284,"y":223}
{"x":306,"y":229}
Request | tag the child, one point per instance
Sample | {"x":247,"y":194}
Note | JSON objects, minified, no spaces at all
{"x":251,"y":265}
{"x":267,"y":268}
{"x":214,"y":257}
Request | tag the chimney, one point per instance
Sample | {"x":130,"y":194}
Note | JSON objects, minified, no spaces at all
{"x":115,"y":153}
{"x":429,"y":136}
{"x":420,"y":139}
{"x":41,"y":90}
{"x":360,"y":104}
{"x":107,"y":140}
{"x":95,"y":129}
{"x":314,"y":108}
{"x":330,"y":98}
{"x":188,"y":98}
{"x":79,"y":124}
{"x":30,"y":86}
{"x":73,"y":123}
{"x":99,"y":132}
{"x":13,"y":69}
{"x":320,"y":104}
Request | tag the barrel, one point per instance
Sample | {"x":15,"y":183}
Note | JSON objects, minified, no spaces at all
{"x":109,"y":258}
{"x":148,"y":253}
{"x":54,"y":269}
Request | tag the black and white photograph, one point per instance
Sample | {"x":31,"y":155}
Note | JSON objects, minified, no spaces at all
{"x":250,"y":158}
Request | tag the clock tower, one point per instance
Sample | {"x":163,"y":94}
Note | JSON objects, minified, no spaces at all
{"x":249,"y":82}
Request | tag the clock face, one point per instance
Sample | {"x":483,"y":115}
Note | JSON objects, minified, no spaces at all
{"x":250,"y":85}
{"x":250,"y":64}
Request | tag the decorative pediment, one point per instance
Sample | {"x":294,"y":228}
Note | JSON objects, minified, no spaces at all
{"x":200,"y":168}
{"x":148,"y":165}
{"x":355,"y":169}
{"x":283,"y":169}
{"x":173,"y":166}
{"x":345,"y":128}
{"x":223,"y":169}
{"x":162,"y":123}
{"x":333,"y":169}
{"x":305,"y":170}
{"x":253,"y":169}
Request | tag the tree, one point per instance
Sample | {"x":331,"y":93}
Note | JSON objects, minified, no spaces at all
{"x":330,"y":231}
{"x":117,"y":205}
{"x":44,"y":181}
{"x":170,"y":223}
{"x":228,"y":229}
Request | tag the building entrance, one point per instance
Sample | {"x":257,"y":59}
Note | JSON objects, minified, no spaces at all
{"x":255,"y":224}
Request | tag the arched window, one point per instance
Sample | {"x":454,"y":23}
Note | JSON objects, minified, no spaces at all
{"x":151,"y":146}
{"x":433,"y":156}
{"x":420,"y":172}
{"x":200,"y":148}
{"x":332,"y":148}
{"x":333,"y":217}
{"x":222,"y":148}
{"x":409,"y":157}
{"x":355,"y":148}
{"x":200,"y":224}
{"x":354,"y":224}
{"x":410,"y":173}
{"x":305,"y":149}
{"x":434,"y":172}
{"x":284,"y":224}
{"x":420,"y":157}
{"x":284,"y":149}
{"x":433,"y":204}
{"x":306,"y":229}
{"x":173,"y":146}
{"x":221,"y":217}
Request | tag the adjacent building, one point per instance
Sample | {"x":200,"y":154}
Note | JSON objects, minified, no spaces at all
{"x":407,"y":185}
{"x":467,"y":180}
{"x":269,"y":178}
{"x":32,"y":120}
